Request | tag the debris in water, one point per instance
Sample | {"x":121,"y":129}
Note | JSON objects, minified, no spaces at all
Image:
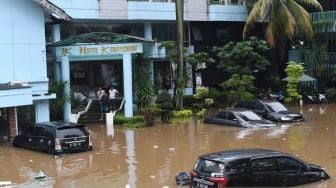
{"x":152,"y":176}
{"x":284,"y":138}
{"x":155,"y":146}
{"x":127,"y":186}
{"x":31,"y":160}
{"x":165,"y":187}
{"x":172,"y":149}
{"x":40,"y":176}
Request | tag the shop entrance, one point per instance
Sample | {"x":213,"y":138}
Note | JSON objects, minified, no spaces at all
{"x":87,"y":76}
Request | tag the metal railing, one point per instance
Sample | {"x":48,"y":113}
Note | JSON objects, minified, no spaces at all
{"x":323,"y":16}
{"x":228,"y":2}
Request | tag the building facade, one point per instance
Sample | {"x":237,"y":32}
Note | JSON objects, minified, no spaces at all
{"x":23,"y":70}
{"x":207,"y":24}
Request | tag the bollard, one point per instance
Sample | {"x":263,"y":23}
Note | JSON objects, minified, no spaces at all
{"x":301,"y":102}
{"x":109,"y":123}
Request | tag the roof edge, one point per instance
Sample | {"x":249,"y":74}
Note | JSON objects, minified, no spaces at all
{"x":53,"y":9}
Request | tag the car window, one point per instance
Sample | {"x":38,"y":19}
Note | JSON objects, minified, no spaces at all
{"x":221,"y":115}
{"x":38,"y":131}
{"x":208,"y":167}
{"x":275,"y":106}
{"x":231,"y":117}
{"x":248,"y":115}
{"x":250,"y":105}
{"x":71,"y":132}
{"x":240,"y":167}
{"x":259,"y":107}
{"x":289,"y":164}
{"x":264,"y":165}
{"x":29,"y":131}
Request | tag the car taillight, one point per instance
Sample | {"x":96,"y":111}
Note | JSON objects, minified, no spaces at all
{"x":221,"y":181}
{"x":90,"y":142}
{"x":58,"y":144}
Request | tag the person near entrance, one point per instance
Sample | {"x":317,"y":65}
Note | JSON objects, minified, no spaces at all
{"x":113,"y":93}
{"x":104,"y":103}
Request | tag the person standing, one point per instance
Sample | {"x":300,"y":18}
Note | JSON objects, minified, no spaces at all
{"x":113,"y":93}
{"x":104,"y":104}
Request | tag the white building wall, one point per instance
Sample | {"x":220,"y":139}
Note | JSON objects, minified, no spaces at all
{"x":22,"y":41}
{"x":79,"y":9}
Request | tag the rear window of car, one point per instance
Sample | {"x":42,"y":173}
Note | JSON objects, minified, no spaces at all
{"x":71,"y":132}
{"x":209,"y":168}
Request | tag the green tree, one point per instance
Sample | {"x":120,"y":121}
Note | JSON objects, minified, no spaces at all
{"x":294,"y":71}
{"x":142,"y":84}
{"x":57,"y":105}
{"x":284,"y":19}
{"x":243,"y":57}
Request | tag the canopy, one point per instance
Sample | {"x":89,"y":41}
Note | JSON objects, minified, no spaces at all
{"x":303,"y":78}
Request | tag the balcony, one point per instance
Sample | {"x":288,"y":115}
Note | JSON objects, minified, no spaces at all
{"x":325,"y":21}
{"x":228,"y":2}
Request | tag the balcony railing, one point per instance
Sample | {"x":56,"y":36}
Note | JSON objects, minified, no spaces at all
{"x":323,"y":16}
{"x":228,"y":2}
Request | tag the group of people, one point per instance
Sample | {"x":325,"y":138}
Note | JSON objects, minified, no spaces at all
{"x":107,"y":99}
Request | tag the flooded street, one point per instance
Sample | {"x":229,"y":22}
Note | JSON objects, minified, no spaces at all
{"x":151,"y":157}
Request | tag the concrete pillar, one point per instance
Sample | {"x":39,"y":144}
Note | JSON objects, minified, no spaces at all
{"x":55,"y":37}
{"x":148,"y":30}
{"x":42,"y":112}
{"x":128,"y":94}
{"x":149,"y":36}
{"x":12,"y":122}
{"x":65,"y":66}
{"x":131,"y":160}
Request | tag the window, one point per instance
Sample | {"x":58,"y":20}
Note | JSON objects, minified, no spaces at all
{"x":39,"y":131}
{"x":264,"y":165}
{"x":289,"y":164}
{"x":221,"y":115}
{"x":231,"y":117}
{"x":208,"y":167}
{"x":71,"y":132}
{"x":259,"y":107}
{"x":240,"y":167}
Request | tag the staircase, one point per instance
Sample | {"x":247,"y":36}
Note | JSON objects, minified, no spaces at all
{"x":92,"y":115}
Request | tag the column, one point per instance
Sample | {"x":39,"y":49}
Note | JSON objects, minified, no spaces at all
{"x":42,"y":112}
{"x":149,"y":36}
{"x":56,"y":36}
{"x":65,"y":66}
{"x":12,"y":121}
{"x":128,"y":94}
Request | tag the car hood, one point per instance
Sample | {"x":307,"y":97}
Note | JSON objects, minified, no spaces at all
{"x":285,"y":113}
{"x":262,"y":123}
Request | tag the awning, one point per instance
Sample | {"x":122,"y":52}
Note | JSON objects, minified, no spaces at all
{"x":303,"y":78}
{"x":53,"y":10}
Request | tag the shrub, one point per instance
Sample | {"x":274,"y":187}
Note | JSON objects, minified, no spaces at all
{"x":202,"y":113}
{"x":188,"y":101}
{"x":331,"y":94}
{"x":120,"y":119}
{"x":182,"y":114}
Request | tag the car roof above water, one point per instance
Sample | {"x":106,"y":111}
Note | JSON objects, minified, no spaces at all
{"x":234,"y":110}
{"x":59,"y":124}
{"x":232,"y":155}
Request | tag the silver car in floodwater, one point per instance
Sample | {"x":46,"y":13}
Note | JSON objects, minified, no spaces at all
{"x":239,"y":118}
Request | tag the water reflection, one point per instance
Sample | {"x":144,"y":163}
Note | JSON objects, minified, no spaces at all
{"x":151,"y":157}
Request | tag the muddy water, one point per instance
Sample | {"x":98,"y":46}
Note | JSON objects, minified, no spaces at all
{"x":151,"y":157}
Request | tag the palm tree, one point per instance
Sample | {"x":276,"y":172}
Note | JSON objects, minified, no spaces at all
{"x":284,"y":19}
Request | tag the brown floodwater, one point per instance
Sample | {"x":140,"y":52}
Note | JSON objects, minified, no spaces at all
{"x":151,"y":157}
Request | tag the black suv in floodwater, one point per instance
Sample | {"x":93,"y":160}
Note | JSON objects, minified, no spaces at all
{"x":271,"y":110}
{"x":252,"y":168}
{"x":55,"y":138}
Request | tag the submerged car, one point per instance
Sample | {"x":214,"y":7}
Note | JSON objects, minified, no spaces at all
{"x":55,"y":138}
{"x":271,"y":110}
{"x":253,"y":168}
{"x":239,"y":118}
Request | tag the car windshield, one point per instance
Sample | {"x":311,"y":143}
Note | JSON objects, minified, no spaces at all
{"x":209,"y":168}
{"x":248,"y":116}
{"x":275,"y":106}
{"x":71,"y":132}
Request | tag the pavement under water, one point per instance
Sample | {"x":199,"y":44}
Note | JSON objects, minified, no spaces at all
{"x":151,"y":157}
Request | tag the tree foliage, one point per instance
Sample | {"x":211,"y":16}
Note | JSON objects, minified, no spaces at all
{"x":243,"y":57}
{"x":294,"y":71}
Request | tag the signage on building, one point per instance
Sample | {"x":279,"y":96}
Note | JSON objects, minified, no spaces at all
{"x":99,"y":50}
